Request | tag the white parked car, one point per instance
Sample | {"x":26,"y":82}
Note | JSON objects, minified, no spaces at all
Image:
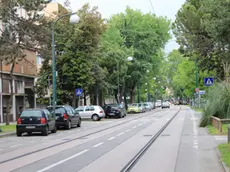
{"x":165,"y":104}
{"x":91,"y":112}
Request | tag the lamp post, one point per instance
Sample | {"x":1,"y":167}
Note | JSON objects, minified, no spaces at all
{"x":148,"y":88}
{"x":118,"y":78}
{"x":73,"y":19}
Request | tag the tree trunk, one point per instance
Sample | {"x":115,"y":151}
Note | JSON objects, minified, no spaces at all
{"x":74,"y":104}
{"x":10,"y":101}
{"x":85,"y":100}
{"x":132,"y":96}
{"x":122,"y":93}
{"x":115,"y":95}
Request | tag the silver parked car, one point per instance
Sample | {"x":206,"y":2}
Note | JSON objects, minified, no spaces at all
{"x":91,"y":112}
{"x":147,"y":106}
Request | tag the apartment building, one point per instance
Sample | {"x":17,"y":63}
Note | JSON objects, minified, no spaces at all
{"x":24,"y":75}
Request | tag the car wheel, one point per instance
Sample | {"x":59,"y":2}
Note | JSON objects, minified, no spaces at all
{"x":79,"y":123}
{"x":69,"y":125}
{"x":19,"y":134}
{"x":46,"y":131}
{"x":29,"y":133}
{"x":54,"y":130}
{"x":95,"y":117}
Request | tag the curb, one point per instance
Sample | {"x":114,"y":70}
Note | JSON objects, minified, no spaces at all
{"x":226,"y":169}
{"x":7,"y":134}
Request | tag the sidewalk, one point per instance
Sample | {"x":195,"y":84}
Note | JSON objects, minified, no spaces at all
{"x":197,"y":148}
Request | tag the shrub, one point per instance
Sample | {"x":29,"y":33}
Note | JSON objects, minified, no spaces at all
{"x":218,"y":103}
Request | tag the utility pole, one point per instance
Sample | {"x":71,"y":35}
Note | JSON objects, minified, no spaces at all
{"x":197,"y":79}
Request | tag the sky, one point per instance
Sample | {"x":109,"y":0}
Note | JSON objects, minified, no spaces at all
{"x":107,"y":8}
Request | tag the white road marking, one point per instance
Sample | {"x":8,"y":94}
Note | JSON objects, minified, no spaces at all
{"x":98,"y":144}
{"x":134,"y":127}
{"x":120,"y":134}
{"x":167,"y":119}
{"x":127,"y":130}
{"x":195,"y":146}
{"x":111,"y":138}
{"x":14,"y":146}
{"x":62,"y":161}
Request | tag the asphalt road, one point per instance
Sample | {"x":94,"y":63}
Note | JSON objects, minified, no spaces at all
{"x":109,"y":145}
{"x":71,"y":142}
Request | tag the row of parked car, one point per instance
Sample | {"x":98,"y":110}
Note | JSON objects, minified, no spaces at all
{"x":45,"y":120}
{"x":141,"y":107}
{"x":147,"y":106}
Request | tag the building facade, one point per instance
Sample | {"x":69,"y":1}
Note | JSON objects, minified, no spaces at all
{"x":24,"y":75}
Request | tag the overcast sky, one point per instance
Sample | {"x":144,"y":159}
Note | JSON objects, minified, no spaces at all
{"x":107,"y":8}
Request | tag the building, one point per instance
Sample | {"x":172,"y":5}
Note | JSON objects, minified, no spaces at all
{"x":23,"y":85}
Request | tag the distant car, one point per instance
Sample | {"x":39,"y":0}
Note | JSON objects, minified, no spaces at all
{"x":134,"y":108}
{"x":142,"y":107}
{"x":147,"y":106}
{"x":114,"y":110}
{"x":66,"y":116}
{"x":165,"y":104}
{"x":158,"y":103}
{"x":36,"y":120}
{"x":96,"y":113}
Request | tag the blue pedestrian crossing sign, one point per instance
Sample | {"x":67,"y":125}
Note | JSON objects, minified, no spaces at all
{"x":208,"y":81}
{"x":79,"y":91}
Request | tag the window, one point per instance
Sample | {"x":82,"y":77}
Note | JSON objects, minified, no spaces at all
{"x":89,"y":108}
{"x":19,"y":87}
{"x":80,"y":109}
{"x":31,"y":114}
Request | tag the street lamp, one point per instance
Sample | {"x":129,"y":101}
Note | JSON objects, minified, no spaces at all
{"x":73,"y":19}
{"x":118,"y":78}
{"x":147,"y":88}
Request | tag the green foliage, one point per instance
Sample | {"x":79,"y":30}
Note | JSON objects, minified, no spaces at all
{"x":218,"y":103}
{"x":92,"y":54}
{"x":202,"y":28}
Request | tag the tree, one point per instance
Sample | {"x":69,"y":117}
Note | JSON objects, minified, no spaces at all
{"x":146,"y":35}
{"x":201,"y":30}
{"x":20,"y":34}
{"x":76,"y":67}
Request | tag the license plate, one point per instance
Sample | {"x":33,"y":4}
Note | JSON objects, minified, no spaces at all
{"x":30,"y":127}
{"x":111,"y":113}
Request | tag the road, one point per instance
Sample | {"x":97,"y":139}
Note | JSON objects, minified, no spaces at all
{"x":110,"y":144}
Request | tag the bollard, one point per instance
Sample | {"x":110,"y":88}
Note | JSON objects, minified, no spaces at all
{"x":228,"y":133}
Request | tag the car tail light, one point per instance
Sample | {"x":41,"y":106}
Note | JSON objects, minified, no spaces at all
{"x":19,"y":121}
{"x":43,"y":121}
{"x":101,"y":111}
{"x":65,"y":116}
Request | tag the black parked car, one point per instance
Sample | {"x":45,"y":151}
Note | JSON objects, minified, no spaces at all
{"x":114,"y":110}
{"x":66,"y":116}
{"x":36,"y":120}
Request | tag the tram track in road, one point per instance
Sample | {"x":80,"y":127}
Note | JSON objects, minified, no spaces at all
{"x":79,"y":137}
{"x":129,"y":166}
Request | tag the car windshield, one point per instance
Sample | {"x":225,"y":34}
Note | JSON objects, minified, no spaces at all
{"x":31,"y":114}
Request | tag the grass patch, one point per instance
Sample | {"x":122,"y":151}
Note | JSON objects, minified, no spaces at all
{"x":196,"y":109}
{"x":213,"y":131}
{"x":225,"y":153}
{"x":9,"y":128}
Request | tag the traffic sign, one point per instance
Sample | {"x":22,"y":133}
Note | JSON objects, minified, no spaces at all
{"x":79,"y":91}
{"x":208,"y":81}
{"x":202,"y":92}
